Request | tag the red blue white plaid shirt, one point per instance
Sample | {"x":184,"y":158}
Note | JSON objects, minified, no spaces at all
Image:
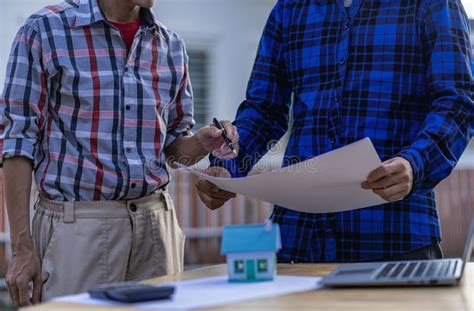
{"x":94,"y":119}
{"x":395,"y":71}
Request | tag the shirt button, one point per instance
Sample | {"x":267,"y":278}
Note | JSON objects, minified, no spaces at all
{"x":347,"y":26}
{"x":332,"y":141}
{"x":133,"y":185}
{"x":336,"y":99}
{"x":128,"y":107}
{"x":133,"y":207}
{"x":128,"y":149}
{"x":342,"y":61}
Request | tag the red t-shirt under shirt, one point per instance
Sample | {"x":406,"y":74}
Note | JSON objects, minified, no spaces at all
{"x":128,"y":31}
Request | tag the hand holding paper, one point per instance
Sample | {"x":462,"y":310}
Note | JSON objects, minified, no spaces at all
{"x":210,"y":194}
{"x":392,"y":181}
{"x":325,"y":184}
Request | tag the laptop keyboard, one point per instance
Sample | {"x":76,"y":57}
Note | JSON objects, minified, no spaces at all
{"x":421,"y":269}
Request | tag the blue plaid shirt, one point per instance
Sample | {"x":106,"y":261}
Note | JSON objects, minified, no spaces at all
{"x":395,"y":71}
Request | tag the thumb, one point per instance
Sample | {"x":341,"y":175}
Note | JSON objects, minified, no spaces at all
{"x":212,"y":172}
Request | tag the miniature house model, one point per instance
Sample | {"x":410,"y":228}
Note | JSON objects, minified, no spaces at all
{"x":251,"y":251}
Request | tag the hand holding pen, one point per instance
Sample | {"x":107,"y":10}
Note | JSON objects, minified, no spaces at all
{"x":230,"y":137}
{"x":225,"y":135}
{"x":220,"y":138}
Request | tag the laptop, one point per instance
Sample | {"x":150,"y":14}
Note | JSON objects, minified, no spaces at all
{"x":403,"y":273}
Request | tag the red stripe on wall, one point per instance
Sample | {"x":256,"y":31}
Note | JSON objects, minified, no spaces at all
{"x":95,"y":115}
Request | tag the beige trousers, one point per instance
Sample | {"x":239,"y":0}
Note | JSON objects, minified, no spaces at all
{"x":85,"y":244}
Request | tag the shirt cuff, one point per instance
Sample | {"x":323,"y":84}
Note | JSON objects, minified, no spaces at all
{"x":171,"y":136}
{"x":19,"y":147}
{"x":417,"y":164}
{"x":230,"y":165}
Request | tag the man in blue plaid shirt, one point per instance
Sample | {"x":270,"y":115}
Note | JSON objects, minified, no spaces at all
{"x":395,"y":71}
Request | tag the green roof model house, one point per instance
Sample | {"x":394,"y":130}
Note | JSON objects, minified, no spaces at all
{"x":251,"y":251}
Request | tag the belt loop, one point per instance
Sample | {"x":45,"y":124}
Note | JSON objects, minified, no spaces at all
{"x":68,"y":212}
{"x":168,"y":202}
{"x":37,"y":201}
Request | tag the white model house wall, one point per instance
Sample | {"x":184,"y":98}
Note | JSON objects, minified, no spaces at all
{"x":269,"y":256}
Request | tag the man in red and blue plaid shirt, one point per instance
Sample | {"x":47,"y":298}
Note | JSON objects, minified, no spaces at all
{"x":395,"y":71}
{"x":97,"y":98}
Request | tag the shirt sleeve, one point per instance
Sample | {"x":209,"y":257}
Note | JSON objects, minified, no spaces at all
{"x":181,"y":111}
{"x":23,"y":100}
{"x":263,"y":117}
{"x":449,"y":126}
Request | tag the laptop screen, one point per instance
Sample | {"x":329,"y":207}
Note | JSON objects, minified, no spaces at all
{"x":469,"y":244}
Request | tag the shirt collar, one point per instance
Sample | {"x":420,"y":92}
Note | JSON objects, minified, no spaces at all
{"x":89,"y":13}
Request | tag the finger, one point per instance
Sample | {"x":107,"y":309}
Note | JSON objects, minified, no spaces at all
{"x":228,"y":156}
{"x":210,"y":190}
{"x":210,"y":202}
{"x":37,"y":284}
{"x":236,"y":136}
{"x":214,"y":132}
{"x":217,"y":171}
{"x":390,"y":191}
{"x":397,"y":196}
{"x":231,"y":131}
{"x":387,"y":168}
{"x":224,"y":148}
{"x":217,"y":153}
{"x":365,"y":185}
{"x":14,"y":294}
{"x":223,"y":151}
{"x":214,"y":145}
{"x":216,"y":204}
{"x":221,"y":195}
{"x":387,"y":181}
{"x":228,"y":127}
{"x":224,"y":155}
{"x":205,"y":198}
{"x":207,"y":187}
{"x":23,"y":294}
{"x":7,"y":282}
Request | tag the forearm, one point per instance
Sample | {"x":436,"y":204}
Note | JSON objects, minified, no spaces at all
{"x":186,"y":150}
{"x":17,"y":179}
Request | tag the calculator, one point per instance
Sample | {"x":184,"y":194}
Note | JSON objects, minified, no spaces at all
{"x":131,"y":292}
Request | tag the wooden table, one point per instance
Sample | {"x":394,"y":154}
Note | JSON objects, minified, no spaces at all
{"x":460,"y":298}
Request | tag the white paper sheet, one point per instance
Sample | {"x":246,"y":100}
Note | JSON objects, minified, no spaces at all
{"x":213,"y":291}
{"x":325,"y":184}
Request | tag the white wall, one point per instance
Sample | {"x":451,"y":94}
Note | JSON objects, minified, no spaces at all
{"x":13,"y":14}
{"x":469,"y":7}
{"x":230,"y":31}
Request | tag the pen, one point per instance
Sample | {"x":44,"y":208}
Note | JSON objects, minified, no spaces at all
{"x":229,"y":143}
